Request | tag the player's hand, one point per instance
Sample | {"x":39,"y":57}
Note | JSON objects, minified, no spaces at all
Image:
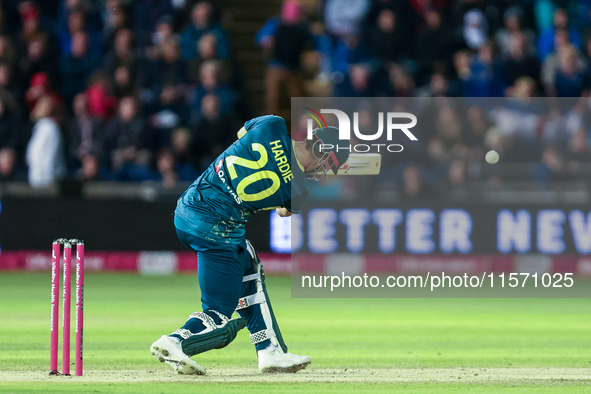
{"x":283,"y":212}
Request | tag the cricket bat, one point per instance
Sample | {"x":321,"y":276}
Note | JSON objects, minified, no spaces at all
{"x":361,"y":164}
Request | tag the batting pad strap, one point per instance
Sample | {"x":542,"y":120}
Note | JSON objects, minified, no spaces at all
{"x":245,"y":302}
{"x":248,"y":278}
{"x":205,"y":318}
{"x":262,"y":335}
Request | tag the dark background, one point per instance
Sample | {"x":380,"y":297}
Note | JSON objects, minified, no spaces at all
{"x":122,"y":225}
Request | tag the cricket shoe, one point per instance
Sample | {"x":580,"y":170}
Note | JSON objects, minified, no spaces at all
{"x":273,"y":360}
{"x":168,"y":350}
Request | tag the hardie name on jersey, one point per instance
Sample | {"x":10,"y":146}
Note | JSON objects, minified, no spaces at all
{"x":281,"y":160}
{"x":219,"y":170}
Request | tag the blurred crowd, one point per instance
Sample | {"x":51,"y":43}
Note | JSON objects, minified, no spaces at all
{"x":516,"y":49}
{"x":114,"y":90}
{"x":136,"y":90}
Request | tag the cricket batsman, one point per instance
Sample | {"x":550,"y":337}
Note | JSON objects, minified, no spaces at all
{"x":264,"y":169}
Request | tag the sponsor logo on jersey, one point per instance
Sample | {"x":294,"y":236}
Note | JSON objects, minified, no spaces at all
{"x":222,"y":175}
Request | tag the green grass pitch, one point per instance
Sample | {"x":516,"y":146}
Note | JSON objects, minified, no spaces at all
{"x":375,"y":345}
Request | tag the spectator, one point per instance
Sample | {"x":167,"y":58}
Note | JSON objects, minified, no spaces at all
{"x":169,"y":69}
{"x":77,"y":66}
{"x":77,"y":24}
{"x":399,"y":8}
{"x":517,"y":124}
{"x":476,"y":128}
{"x":100,"y":103}
{"x":463,"y":65}
{"x":553,"y":167}
{"x":208,"y":47}
{"x":520,"y":117}
{"x":439,"y":86}
{"x":578,"y":146}
{"x":422,"y":7}
{"x":202,"y":23}
{"x":524,"y":88}
{"x":126,"y":137}
{"x":400,"y":83}
{"x":45,"y":151}
{"x":213,"y":132}
{"x":210,"y":82}
{"x":286,"y":44}
{"x":146,"y":15}
{"x":30,"y":23}
{"x":90,"y":170}
{"x":560,"y":124}
{"x":7,"y":83}
{"x":125,"y":65}
{"x":323,"y":46}
{"x":170,"y":172}
{"x":10,"y":138}
{"x":570,"y":80}
{"x":164,"y":33}
{"x":519,"y":63}
{"x":115,"y":19}
{"x":121,"y":54}
{"x":356,"y":83}
{"x":40,"y":87}
{"x":84,"y":131}
{"x":475,"y":30}
{"x":9,"y":93}
{"x":167,"y":169}
{"x":9,"y":122}
{"x":587,"y":52}
{"x":386,"y":40}
{"x":39,"y":60}
{"x":87,"y":8}
{"x":449,"y":130}
{"x":505,"y":35}
{"x":413,"y":186}
{"x":181,"y":147}
{"x":110,"y":7}
{"x":8,"y":164}
{"x":547,"y":36}
{"x":124,"y":83}
{"x":7,"y":52}
{"x":167,"y":114}
{"x":486,"y":75}
{"x":347,"y":51}
{"x":207,"y":50}
{"x":456,"y":173}
{"x":434,"y":44}
{"x":551,"y":65}
{"x":344,"y":17}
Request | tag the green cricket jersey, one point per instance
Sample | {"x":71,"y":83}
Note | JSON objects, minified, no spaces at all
{"x":257,"y":172}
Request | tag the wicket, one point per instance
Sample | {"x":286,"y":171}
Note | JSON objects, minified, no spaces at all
{"x":66,"y":301}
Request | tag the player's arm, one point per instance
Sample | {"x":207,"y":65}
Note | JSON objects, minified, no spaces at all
{"x":292,"y":206}
{"x":283,"y":212}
